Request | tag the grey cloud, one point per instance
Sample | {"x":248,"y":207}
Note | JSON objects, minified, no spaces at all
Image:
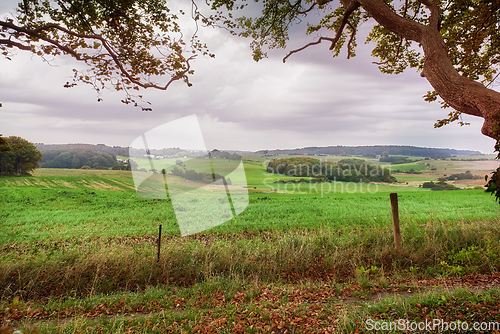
{"x":312,"y":100}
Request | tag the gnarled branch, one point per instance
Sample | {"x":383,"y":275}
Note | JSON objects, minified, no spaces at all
{"x":461,"y":93}
{"x":36,"y":33}
{"x":111,"y":53}
{"x":386,"y":17}
{"x":321,"y":39}
{"x":435,"y":12}
{"x":11,"y":43}
{"x":351,"y":7}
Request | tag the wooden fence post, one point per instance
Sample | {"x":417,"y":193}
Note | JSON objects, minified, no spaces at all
{"x":395,"y":221}
{"x":159,"y":243}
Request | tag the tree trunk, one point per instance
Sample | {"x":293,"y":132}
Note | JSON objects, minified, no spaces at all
{"x":19,"y":167}
{"x":462,"y":94}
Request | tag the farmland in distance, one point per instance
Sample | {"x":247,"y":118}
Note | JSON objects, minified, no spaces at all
{"x":78,"y":252}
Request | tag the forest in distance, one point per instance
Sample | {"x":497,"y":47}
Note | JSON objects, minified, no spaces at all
{"x":368,"y":151}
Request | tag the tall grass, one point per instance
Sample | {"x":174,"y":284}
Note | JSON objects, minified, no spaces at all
{"x":86,"y":267}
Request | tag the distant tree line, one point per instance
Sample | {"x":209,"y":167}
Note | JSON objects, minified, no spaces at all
{"x":192,"y":175}
{"x":124,"y":165}
{"x":18,"y":156}
{"x":77,"y":158}
{"x":216,"y":154}
{"x":165,"y":152}
{"x":396,"y":160}
{"x":440,"y":185}
{"x":463,"y":176}
{"x":113,"y":150}
{"x":347,"y":170}
{"x":315,"y":180}
{"x":371,"y":151}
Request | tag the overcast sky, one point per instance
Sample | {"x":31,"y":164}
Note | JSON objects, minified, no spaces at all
{"x":312,"y":100}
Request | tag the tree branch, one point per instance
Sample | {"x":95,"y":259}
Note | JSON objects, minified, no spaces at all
{"x":36,"y":33}
{"x":435,"y":13}
{"x":349,"y":44}
{"x":15,"y":44}
{"x":461,"y":93}
{"x":398,"y":50}
{"x":307,"y":10}
{"x":351,"y":7}
{"x":321,"y":39}
{"x":492,"y":80}
{"x":386,"y":17}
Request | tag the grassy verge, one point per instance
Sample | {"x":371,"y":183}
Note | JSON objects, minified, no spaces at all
{"x":77,"y":267}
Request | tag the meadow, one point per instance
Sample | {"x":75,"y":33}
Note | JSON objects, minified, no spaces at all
{"x":78,"y":254}
{"x":61,"y":203}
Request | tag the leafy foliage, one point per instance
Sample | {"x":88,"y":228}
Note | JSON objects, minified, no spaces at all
{"x":18,"y":156}
{"x":469,"y":28}
{"x":192,"y":175}
{"x":129,"y":44}
{"x":3,"y":144}
{"x":493,"y":185}
{"x":348,"y":170}
{"x":124,"y":44}
{"x":113,"y":150}
{"x":463,"y":176}
{"x":217,"y":154}
{"x":77,"y":158}
{"x":440,"y":185}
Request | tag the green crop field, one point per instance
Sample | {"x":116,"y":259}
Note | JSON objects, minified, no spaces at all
{"x":64,"y":203}
{"x":59,"y":203}
{"x":78,"y":253}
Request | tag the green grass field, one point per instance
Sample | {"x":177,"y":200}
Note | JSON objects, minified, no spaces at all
{"x":71,"y":203}
{"x":78,"y":254}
